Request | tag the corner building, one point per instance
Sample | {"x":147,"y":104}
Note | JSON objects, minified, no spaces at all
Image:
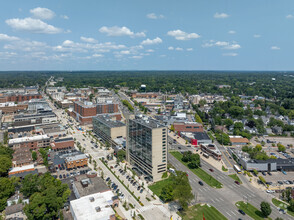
{"x":147,"y":147}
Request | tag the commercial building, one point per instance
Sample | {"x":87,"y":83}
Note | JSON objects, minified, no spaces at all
{"x":75,"y":161}
{"x":63,"y":143}
{"x":51,"y":90}
{"x":33,"y":143}
{"x":147,"y":146}
{"x":148,"y":95}
{"x":188,"y":127}
{"x":196,"y":138}
{"x":12,"y":97}
{"x":22,"y":170}
{"x":11,"y":107}
{"x":85,"y":111}
{"x":97,"y":206}
{"x":108,"y":128}
{"x":239,"y":140}
{"x":44,"y":117}
{"x":22,"y":157}
{"x":211,"y":150}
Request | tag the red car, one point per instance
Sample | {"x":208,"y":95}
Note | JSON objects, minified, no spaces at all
{"x":211,"y":170}
{"x":237,"y":182}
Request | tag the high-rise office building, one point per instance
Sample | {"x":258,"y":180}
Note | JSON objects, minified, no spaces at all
{"x":147,"y":147}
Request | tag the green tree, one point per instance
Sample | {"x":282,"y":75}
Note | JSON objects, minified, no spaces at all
{"x":7,"y":189}
{"x":258,"y":147}
{"x":202,"y":102}
{"x":291,"y":205}
{"x":183,"y":190}
{"x":121,"y":155}
{"x":159,"y":111}
{"x":265,"y":208}
{"x":167,"y":193}
{"x":236,"y":111}
{"x":5,"y":164}
{"x":281,"y":148}
{"x":194,"y":161}
{"x":228,"y":122}
{"x":198,"y":119}
{"x":172,"y":128}
{"x":34,"y":155}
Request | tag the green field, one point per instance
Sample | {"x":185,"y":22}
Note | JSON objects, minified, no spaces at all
{"x":250,"y":210}
{"x":199,"y":172}
{"x":196,"y":212}
{"x":157,"y":187}
{"x":278,"y":204}
{"x":235,"y":177}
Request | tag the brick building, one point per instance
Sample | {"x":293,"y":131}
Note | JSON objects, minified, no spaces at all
{"x":12,"y":108}
{"x":18,"y":97}
{"x":85,"y":111}
{"x":75,"y":161}
{"x":22,"y":157}
{"x":62,"y":143}
{"x":188,"y":127}
{"x":148,"y":95}
{"x":33,"y":143}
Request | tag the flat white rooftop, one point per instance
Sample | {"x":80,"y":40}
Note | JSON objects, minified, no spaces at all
{"x":18,"y":169}
{"x":93,"y":207}
{"x":28,"y":139}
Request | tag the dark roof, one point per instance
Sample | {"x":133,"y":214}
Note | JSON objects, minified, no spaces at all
{"x":13,"y":209}
{"x":201,"y":136}
{"x":63,"y":139}
{"x":21,"y":175}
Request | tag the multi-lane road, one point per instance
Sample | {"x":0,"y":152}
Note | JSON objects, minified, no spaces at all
{"x":224,"y":199}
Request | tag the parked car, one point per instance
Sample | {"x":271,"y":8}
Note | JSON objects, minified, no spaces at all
{"x":200,"y":183}
{"x":269,"y":173}
{"x":237,"y":182}
{"x":141,"y":190}
{"x":263,"y":173}
{"x":241,"y":211}
{"x":211,"y":170}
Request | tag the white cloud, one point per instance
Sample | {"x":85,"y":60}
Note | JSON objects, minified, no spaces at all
{"x":42,"y":13}
{"x":170,"y":48}
{"x":181,"y":35}
{"x":190,"y":49}
{"x":222,"y":44}
{"x":150,"y":51}
{"x":230,"y":54}
{"x":179,"y":49}
{"x":97,"y":55}
{"x":88,"y":39}
{"x":28,"y":46}
{"x":232,"y":32}
{"x":137,"y":57}
{"x":5,"y":37}
{"x":64,"y":17}
{"x":220,"y":15}
{"x":32,"y":25}
{"x":154,"y":16}
{"x":275,"y":48}
{"x":116,"y":31}
{"x":256,"y":36}
{"x":125,"y":52}
{"x":289,"y":16}
{"x":148,"y":41}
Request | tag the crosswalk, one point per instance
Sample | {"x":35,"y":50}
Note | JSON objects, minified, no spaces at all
{"x":151,"y":207}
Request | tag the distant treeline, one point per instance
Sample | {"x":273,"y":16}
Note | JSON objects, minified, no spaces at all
{"x":276,"y":85}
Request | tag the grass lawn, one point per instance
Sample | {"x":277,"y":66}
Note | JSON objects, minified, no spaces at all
{"x":199,"y":172}
{"x":157,"y":187}
{"x":278,"y":203}
{"x":224,"y":169}
{"x":250,"y":210}
{"x":196,"y":213}
{"x":235,"y":177}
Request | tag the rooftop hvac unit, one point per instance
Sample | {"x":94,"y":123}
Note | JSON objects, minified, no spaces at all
{"x":98,"y":209}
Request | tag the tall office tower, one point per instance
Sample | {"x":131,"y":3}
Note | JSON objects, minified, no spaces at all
{"x":147,"y":147}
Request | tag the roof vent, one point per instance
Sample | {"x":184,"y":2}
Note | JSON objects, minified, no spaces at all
{"x":91,"y":199}
{"x":98,"y":209}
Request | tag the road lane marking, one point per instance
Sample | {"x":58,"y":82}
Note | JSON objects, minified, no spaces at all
{"x":228,"y":214}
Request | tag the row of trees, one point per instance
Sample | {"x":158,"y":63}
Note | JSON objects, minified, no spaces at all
{"x":193,"y":160}
{"x":126,"y":103}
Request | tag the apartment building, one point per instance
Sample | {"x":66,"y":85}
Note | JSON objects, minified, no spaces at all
{"x":63,"y":143}
{"x":44,"y":117}
{"x":18,"y":97}
{"x":147,"y":147}
{"x":34,"y":142}
{"x":108,"y":128}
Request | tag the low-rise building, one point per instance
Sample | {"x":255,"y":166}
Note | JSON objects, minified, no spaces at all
{"x":63,"y":143}
{"x":97,"y":206}
{"x":239,"y":140}
{"x":21,"y":157}
{"x":75,"y":161}
{"x":22,"y":171}
{"x":44,"y":117}
{"x":188,"y":127}
{"x":108,"y":129}
{"x":196,"y":138}
{"x":15,"y":212}
{"x":35,"y":142}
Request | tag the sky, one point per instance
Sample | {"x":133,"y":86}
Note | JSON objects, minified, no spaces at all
{"x":146,"y":35}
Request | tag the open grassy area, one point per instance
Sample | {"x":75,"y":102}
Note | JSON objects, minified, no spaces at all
{"x":196,"y":212}
{"x":282,"y":205}
{"x":250,"y":210}
{"x":199,"y":172}
{"x":224,"y":169}
{"x":235,"y":177}
{"x":157,"y":187}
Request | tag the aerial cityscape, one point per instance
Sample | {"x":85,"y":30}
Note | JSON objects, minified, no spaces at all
{"x":155,"y":110}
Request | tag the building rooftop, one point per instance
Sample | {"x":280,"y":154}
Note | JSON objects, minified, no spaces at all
{"x":43,"y":114}
{"x":93,"y":207}
{"x":201,"y":136}
{"x":28,"y":139}
{"x":239,"y":140}
{"x":85,"y":104}
{"x":13,"y":209}
{"x":87,"y":186}
{"x":75,"y":157}
{"x":63,"y":139}
{"x":148,"y":122}
{"x":106,"y":119}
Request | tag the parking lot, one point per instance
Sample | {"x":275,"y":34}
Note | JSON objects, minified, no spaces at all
{"x":279,"y":180}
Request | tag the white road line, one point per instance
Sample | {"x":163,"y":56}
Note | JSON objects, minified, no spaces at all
{"x":221,"y":199}
{"x":216,"y":199}
{"x":212,"y":200}
{"x":200,"y":189}
{"x":228,"y":214}
{"x":233,"y":212}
